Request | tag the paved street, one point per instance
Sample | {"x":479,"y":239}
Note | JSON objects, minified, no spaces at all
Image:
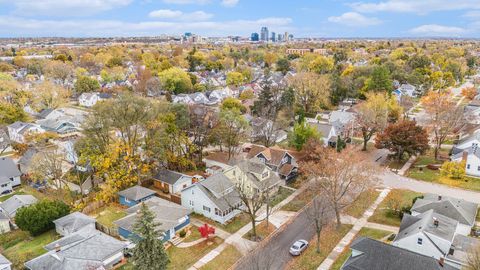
{"x":274,"y":254}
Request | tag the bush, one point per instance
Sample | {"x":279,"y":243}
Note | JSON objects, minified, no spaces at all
{"x":182,"y":233}
{"x":454,"y":170}
{"x":38,"y":218}
{"x":391,"y":237}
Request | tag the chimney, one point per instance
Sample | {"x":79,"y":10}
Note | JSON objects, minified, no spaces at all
{"x":439,"y":197}
{"x":435,"y":222}
{"x":464,"y":156}
{"x":57,"y":247}
{"x":441,"y":261}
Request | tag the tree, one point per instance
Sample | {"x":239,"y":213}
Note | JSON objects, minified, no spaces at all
{"x":235,"y":78}
{"x":48,"y":95}
{"x":318,"y":212}
{"x":469,"y":92}
{"x":321,"y":64}
{"x":454,"y":170}
{"x":11,"y":113}
{"x":473,"y":258}
{"x":247,"y":94}
{"x":47,"y":165}
{"x":341,"y":176}
{"x":283,"y":65}
{"x":301,"y":133}
{"x":149,"y":252}
{"x":372,"y":116}
{"x":38,"y":218}
{"x":311,"y":91}
{"x":175,"y":80}
{"x":59,"y":70}
{"x":444,"y":117}
{"x":231,"y":103}
{"x":379,"y":81}
{"x":86,"y":84}
{"x":403,"y":137}
{"x":231,"y":130}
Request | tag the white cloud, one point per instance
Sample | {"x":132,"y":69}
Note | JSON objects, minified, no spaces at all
{"x":354,"y":19}
{"x":415,"y":6}
{"x":433,"y":30}
{"x":472,"y":14}
{"x":179,"y":15}
{"x":229,"y":3}
{"x":24,"y":27}
{"x":165,"y":13}
{"x":63,"y":8}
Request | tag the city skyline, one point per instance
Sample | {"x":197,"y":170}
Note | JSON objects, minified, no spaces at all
{"x":326,"y":18}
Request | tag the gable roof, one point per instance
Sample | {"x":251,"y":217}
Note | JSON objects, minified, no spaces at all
{"x":8,"y":168}
{"x":167,"y":176}
{"x":220,"y":190}
{"x":136,"y":193}
{"x":87,"y":249}
{"x":463,"y":211}
{"x":376,"y":255}
{"x":12,"y":204}
{"x":424,"y":224}
{"x":4,"y":261}
{"x":323,"y":128}
{"x":74,"y":221}
{"x":167,"y":214}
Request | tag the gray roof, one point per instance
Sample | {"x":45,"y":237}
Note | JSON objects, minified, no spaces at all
{"x":220,"y":190}
{"x":136,"y":193}
{"x":462,"y":246}
{"x":12,"y":204}
{"x":166,"y":214}
{"x":475,"y":136}
{"x":472,"y":150}
{"x":255,"y":166}
{"x":4,"y":260}
{"x":462,"y":211}
{"x":251,"y":165}
{"x":74,"y":221}
{"x":168,"y":176}
{"x":322,"y":128}
{"x":376,"y":255}
{"x":8,"y":168}
{"x":423,"y":223}
{"x":89,"y":250}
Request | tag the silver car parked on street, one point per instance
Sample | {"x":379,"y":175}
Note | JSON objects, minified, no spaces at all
{"x":298,"y":247}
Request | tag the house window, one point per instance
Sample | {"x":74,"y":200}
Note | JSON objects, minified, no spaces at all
{"x":4,"y":185}
{"x":478,"y":168}
{"x":193,"y":193}
{"x":468,"y":166}
{"x":127,"y":200}
{"x":191,"y":203}
{"x":11,"y":179}
{"x":419,"y":241}
{"x":206,"y":209}
{"x":217,"y":212}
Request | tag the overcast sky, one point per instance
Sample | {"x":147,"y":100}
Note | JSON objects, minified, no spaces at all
{"x":303,"y":18}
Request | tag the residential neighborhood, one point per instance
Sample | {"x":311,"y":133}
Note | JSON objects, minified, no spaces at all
{"x":186,"y":135}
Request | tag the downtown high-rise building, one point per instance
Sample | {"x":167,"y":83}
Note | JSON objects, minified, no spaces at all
{"x":274,"y":37}
{"x":254,"y":37}
{"x":264,"y":34}
{"x":285,"y":37}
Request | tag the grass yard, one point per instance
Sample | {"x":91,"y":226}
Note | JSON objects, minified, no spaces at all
{"x":107,"y":215}
{"x":383,"y":216}
{"x":365,"y":199}
{"x":282,"y":194}
{"x":194,"y":234}
{"x":298,"y":202}
{"x":19,"y":247}
{"x":234,"y":225}
{"x":262,"y":230}
{"x":329,"y":238}
{"x":183,"y":258}
{"x":224,"y":260}
{"x":366,"y":232}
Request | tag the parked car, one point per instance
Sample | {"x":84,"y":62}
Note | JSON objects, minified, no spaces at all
{"x":298,"y":247}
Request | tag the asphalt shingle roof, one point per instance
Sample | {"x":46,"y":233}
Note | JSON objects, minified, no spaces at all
{"x":12,"y":204}
{"x":74,"y":221}
{"x":168,"y":176}
{"x":136,"y":193}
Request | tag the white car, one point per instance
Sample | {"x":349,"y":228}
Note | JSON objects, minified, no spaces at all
{"x":298,"y":247}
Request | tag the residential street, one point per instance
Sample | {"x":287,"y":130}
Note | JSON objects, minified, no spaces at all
{"x":274,"y":254}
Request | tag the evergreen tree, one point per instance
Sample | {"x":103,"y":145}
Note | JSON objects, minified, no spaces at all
{"x":149,"y":252}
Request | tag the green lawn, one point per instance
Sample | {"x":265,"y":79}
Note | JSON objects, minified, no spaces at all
{"x":329,"y":238}
{"x":365,"y":199}
{"x":299,"y":201}
{"x":183,"y":258}
{"x":366,"y":232}
{"x":107,"y":215}
{"x":234,"y":225}
{"x":382,"y":214}
{"x":194,"y":234}
{"x":282,"y":194}
{"x":224,"y":260}
{"x":21,"y":247}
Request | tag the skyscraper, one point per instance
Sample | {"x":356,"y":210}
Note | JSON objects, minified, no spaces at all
{"x":274,"y":37}
{"x":264,"y":34}
{"x":254,"y":37}
{"x":286,"y":36}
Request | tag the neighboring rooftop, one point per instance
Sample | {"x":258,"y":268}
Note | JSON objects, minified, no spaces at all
{"x":12,"y":204}
{"x":136,"y":193}
{"x":74,"y":221}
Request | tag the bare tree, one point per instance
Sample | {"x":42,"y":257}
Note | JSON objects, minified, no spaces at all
{"x":473,"y":259}
{"x":319,"y":212}
{"x":444,"y":117}
{"x":47,"y":165}
{"x":341,"y":177}
{"x":263,"y":259}
{"x":4,"y":141}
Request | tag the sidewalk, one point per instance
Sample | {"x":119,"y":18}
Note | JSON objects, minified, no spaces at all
{"x":407,"y":165}
{"x":347,"y":239}
{"x":243,"y":245}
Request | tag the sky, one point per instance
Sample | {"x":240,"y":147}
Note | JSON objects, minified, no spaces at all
{"x":302,"y":18}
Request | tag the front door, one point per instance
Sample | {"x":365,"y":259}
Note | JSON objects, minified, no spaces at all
{"x":172,"y":233}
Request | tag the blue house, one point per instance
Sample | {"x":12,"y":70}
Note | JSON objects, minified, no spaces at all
{"x":134,"y":195}
{"x":170,"y":217}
